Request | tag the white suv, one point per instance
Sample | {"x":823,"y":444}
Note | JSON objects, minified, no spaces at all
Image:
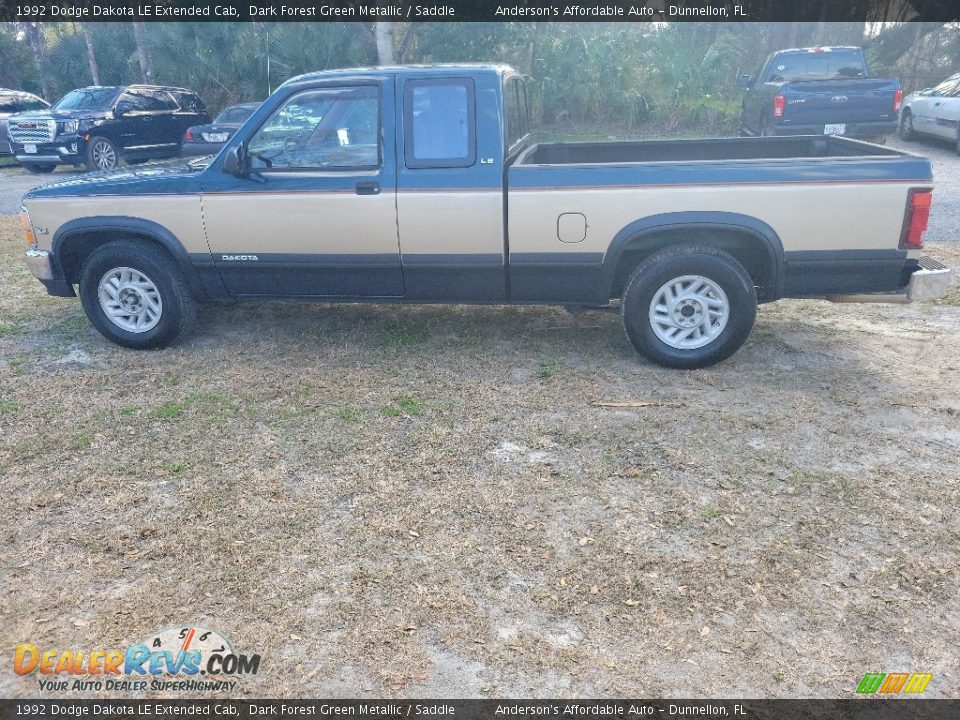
{"x":934,"y":112}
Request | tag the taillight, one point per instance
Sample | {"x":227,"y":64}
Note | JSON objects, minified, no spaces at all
{"x":916,"y":218}
{"x":897,"y":100}
{"x":188,"y":136}
{"x":779,"y":102}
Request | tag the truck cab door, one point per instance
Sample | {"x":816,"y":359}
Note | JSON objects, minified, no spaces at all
{"x":450,"y":210}
{"x":317,"y":215}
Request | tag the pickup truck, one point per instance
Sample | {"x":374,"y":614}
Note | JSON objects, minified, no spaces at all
{"x":422,"y":185}
{"x":819,"y":91}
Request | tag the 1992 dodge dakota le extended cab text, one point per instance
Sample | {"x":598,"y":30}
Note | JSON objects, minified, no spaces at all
{"x":420,"y":184}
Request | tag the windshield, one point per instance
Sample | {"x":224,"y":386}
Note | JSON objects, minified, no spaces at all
{"x":826,"y":65}
{"x":88,"y":99}
{"x":235,"y":115}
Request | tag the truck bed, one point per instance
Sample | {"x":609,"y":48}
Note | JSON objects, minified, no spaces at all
{"x":648,"y":151}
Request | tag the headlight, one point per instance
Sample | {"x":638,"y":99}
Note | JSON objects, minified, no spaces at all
{"x":71,"y":126}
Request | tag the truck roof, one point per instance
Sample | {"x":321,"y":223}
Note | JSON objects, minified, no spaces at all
{"x":817,"y":48}
{"x":473,"y":68}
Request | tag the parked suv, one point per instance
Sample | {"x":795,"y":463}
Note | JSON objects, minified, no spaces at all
{"x":11,"y":102}
{"x":97,"y":126}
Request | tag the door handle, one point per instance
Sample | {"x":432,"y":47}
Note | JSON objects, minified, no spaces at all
{"x":371,"y":187}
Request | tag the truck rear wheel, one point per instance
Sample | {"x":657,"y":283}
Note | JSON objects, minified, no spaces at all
{"x":688,"y":307}
{"x":136,"y":296}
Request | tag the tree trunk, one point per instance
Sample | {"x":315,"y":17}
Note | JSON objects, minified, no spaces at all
{"x":91,"y":56}
{"x":383,"y":32}
{"x":143,"y":54}
{"x":39,"y":46}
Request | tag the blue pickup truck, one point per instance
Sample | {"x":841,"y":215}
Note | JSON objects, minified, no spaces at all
{"x":422,"y":185}
{"x":819,"y":91}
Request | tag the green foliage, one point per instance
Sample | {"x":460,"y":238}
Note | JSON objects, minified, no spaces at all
{"x":584,"y":78}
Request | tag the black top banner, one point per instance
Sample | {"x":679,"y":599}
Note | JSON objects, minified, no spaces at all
{"x":480,"y":10}
{"x":386,"y":709}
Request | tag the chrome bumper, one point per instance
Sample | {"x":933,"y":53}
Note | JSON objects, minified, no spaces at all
{"x":931,"y":281}
{"x":39,"y":263}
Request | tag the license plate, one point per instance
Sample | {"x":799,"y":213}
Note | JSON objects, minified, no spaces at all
{"x":834,"y":129}
{"x":30,"y":149}
{"x":216,"y":137}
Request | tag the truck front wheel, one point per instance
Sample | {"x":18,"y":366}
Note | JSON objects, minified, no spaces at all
{"x":688,"y":307}
{"x":136,"y":296}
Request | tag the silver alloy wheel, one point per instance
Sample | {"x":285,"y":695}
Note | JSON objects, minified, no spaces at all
{"x":689,"y":312}
{"x":104,"y":156}
{"x":130,"y":300}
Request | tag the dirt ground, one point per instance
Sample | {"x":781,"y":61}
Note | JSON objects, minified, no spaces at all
{"x":434,"y":501}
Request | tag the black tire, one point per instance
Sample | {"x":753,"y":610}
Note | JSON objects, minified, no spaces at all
{"x":102,"y":154}
{"x":178,"y":309}
{"x":905,"y":128}
{"x":659,"y":269}
{"x":765,"y":130}
{"x":40,"y":169}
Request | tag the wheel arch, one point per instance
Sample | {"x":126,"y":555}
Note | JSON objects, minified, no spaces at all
{"x":76,"y":239}
{"x":740,"y":235}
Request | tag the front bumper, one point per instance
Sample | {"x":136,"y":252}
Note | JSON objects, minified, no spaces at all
{"x":856,"y":129}
{"x":47,"y":271}
{"x":931,"y":281}
{"x":69,"y":149}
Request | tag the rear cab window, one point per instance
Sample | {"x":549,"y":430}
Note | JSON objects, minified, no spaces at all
{"x":839,"y":64}
{"x":439,"y":121}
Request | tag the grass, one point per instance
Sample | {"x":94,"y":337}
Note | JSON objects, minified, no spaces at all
{"x":10,"y":329}
{"x":547,"y":370}
{"x":176,"y":466}
{"x":403,"y":336}
{"x":349,"y":414}
{"x":170,"y":409}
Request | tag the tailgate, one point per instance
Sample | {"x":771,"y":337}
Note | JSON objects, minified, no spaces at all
{"x":839,"y":101}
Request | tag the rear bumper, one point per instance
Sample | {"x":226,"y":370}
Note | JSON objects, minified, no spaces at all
{"x":47,"y":271}
{"x":931,"y":281}
{"x":860,"y":129}
{"x":196,"y":149}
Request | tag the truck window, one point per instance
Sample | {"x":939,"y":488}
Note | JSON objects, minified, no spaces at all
{"x":332,"y":129}
{"x":515,"y":107}
{"x":439,"y":123}
{"x":822,"y":65}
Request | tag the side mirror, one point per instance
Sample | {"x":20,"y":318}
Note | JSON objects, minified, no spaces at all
{"x":745,"y":81}
{"x":234,"y":162}
{"x":122,"y":108}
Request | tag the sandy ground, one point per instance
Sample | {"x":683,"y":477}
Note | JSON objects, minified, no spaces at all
{"x":434,"y":501}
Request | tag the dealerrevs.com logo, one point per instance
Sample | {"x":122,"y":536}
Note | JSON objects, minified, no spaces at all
{"x":191,"y":659}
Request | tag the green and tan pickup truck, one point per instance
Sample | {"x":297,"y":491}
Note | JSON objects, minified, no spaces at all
{"x":421,"y":185}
